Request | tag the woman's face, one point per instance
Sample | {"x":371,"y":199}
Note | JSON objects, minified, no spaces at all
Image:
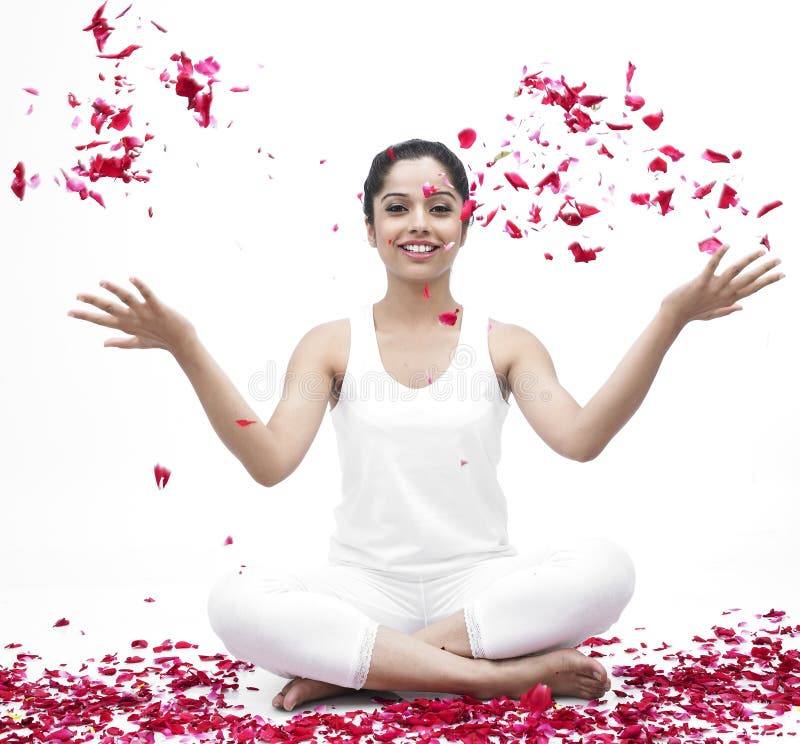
{"x":404,"y":215}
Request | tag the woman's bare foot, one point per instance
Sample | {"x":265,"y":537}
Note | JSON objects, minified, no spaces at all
{"x":565,"y":671}
{"x":300,"y":690}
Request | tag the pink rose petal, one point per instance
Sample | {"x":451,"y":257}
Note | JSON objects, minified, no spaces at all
{"x":61,"y":623}
{"x":654,"y":120}
{"x":710,"y":245}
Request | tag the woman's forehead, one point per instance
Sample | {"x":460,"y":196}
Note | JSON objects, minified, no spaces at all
{"x":415,"y":172}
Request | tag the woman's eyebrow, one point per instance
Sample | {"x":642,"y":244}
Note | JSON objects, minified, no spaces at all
{"x":436,"y":193}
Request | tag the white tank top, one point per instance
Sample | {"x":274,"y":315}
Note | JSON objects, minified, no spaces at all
{"x":420,"y":496}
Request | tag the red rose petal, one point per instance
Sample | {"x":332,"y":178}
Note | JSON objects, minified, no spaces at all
{"x":245,"y":89}
{"x":512,"y":229}
{"x":162,"y":475}
{"x":448,"y":318}
{"x":228,"y":540}
{"x":654,"y":120}
{"x":390,"y":153}
{"x":629,"y":75}
{"x":715,"y":157}
{"x":159,"y":27}
{"x":425,"y":293}
{"x":634,"y":102}
{"x":657,"y":164}
{"x":18,"y":183}
{"x":469,"y":206}
{"x":517,"y":181}
{"x":245,"y":422}
{"x":671,"y":152}
{"x":466,"y":138}
{"x":61,"y":623}
{"x":710,"y":245}
{"x":126,"y":52}
{"x":768,"y":208}
{"x":728,"y":197}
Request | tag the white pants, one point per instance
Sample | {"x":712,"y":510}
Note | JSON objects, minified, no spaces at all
{"x":321,"y":623}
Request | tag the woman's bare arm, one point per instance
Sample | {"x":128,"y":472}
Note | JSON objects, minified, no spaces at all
{"x":581,"y":433}
{"x":268,"y":453}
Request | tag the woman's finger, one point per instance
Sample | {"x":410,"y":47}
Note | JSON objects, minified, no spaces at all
{"x":144,"y":290}
{"x":736,"y":268}
{"x":104,"y":320}
{"x":111,"y":308}
{"x":126,"y":296}
{"x":130,"y":342}
{"x":713,"y":262}
{"x":750,"y":286}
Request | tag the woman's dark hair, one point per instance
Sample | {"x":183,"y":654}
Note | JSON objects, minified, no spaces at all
{"x":413,"y":149}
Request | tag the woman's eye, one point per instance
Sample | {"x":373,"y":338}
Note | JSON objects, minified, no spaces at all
{"x":394,"y":207}
{"x":438,"y":208}
{"x":443,"y":208}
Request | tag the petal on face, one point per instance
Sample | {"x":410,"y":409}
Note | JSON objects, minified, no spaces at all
{"x":428,"y":189}
{"x":467,"y":137}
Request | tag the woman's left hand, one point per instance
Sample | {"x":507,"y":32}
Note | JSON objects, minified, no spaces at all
{"x":710,"y":296}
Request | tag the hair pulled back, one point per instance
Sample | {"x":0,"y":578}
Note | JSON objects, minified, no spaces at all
{"x":413,"y":149}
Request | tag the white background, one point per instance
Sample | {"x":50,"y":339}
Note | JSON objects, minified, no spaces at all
{"x":700,"y":486}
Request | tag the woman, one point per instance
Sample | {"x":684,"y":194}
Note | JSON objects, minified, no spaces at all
{"x":422,"y":590}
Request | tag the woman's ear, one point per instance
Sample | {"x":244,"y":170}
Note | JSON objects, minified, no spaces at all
{"x":370,"y":233}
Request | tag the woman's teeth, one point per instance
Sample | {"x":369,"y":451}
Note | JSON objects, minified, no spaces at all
{"x":411,"y":248}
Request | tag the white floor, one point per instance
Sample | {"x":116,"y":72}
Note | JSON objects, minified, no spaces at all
{"x":673,"y":602}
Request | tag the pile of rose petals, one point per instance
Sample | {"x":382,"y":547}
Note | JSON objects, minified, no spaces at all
{"x":560,"y":155}
{"x":735,"y":684}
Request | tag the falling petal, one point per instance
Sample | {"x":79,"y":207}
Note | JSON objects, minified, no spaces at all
{"x":427,"y":189}
{"x":123,"y":12}
{"x":768,"y":208}
{"x":466,"y":138}
{"x":469,"y":206}
{"x":335,"y":227}
{"x":727,"y":197}
{"x":61,"y":623}
{"x":18,"y":184}
{"x":245,"y":89}
{"x":126,"y":52}
{"x":710,"y":245}
{"x":629,"y":75}
{"x":490,"y":217}
{"x":654,"y":120}
{"x":765,"y":242}
{"x":517,"y":181}
{"x":464,"y":462}
{"x":159,"y":27}
{"x":702,"y":191}
{"x":32,"y":91}
{"x":208,"y":67}
{"x":715,"y":157}
{"x":162,"y":475}
{"x":512,"y":229}
{"x":390,"y":153}
{"x":445,"y":179}
{"x":619,"y":127}
{"x":671,"y":152}
{"x":634,"y":102}
{"x":657,"y":164}
{"x":602,"y":150}
{"x":228,"y":541}
{"x":662,"y":198}
{"x":448,"y":246}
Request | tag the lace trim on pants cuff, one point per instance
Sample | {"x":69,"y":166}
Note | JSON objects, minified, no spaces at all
{"x":365,"y":655}
{"x":474,"y":633}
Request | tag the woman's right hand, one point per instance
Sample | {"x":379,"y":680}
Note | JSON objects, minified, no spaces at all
{"x":150,"y":324}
